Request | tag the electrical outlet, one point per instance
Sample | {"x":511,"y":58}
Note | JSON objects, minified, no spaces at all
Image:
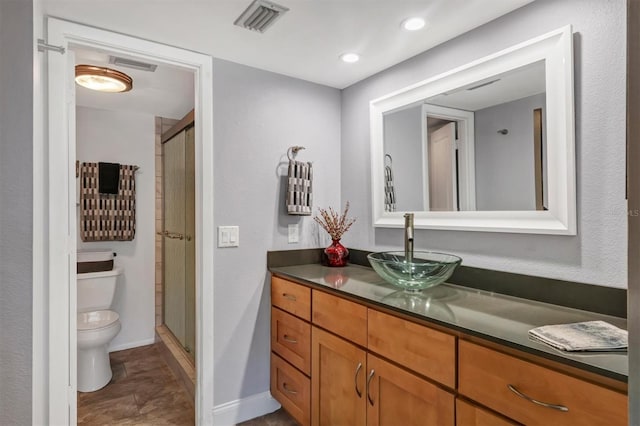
{"x":294,"y":233}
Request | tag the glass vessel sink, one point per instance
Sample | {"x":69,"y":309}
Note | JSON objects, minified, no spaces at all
{"x":426,"y":269}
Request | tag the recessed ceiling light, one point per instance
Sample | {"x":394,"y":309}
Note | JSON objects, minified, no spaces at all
{"x":413,"y":24}
{"x":350,"y":58}
{"x":103,"y":79}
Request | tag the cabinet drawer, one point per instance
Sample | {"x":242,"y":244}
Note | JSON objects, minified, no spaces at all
{"x":291,"y":339}
{"x":485,"y":376}
{"x":291,"y":297}
{"x":468,"y":414}
{"x":419,"y":348}
{"x":341,"y":316}
{"x":292,"y":389}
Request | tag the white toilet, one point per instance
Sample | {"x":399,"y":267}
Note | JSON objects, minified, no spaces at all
{"x":97,"y":326}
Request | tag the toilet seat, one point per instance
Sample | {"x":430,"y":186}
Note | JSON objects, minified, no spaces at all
{"x":96,"y":320}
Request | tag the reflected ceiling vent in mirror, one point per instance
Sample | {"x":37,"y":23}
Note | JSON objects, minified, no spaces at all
{"x":130,"y":63}
{"x":477,"y":86}
{"x":260,"y":15}
{"x":103,"y":79}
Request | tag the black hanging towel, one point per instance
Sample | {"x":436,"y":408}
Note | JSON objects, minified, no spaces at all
{"x":108,"y":178}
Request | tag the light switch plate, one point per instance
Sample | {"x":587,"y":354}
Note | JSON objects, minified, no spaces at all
{"x":294,"y":233}
{"x":228,"y":236}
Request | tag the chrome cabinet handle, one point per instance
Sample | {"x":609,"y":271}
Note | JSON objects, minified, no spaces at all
{"x":358,"y":368}
{"x":289,"y":296}
{"x":289,"y":339}
{"x":286,"y":388}
{"x":368,"y":382}
{"x":535,"y":401}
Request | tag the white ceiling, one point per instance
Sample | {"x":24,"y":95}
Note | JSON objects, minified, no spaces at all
{"x":168,"y":92}
{"x":305,"y":43}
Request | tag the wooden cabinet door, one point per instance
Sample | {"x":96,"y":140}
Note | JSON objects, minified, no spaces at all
{"x":397,"y":397}
{"x":468,"y":414}
{"x":337,"y":381}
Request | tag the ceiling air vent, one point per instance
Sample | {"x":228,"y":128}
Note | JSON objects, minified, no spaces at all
{"x":130,"y":63}
{"x":260,"y":15}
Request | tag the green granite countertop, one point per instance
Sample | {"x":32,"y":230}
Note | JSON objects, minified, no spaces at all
{"x":496,"y":317}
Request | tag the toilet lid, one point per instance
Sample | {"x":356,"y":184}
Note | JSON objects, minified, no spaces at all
{"x":96,"y":319}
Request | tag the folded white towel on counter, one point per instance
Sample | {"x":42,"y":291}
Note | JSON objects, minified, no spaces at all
{"x":582,"y":336}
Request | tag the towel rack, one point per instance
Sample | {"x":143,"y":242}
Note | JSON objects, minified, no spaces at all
{"x":293,"y":151}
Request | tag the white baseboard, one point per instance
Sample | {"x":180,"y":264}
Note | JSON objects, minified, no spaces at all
{"x":130,"y":345}
{"x":240,"y":410}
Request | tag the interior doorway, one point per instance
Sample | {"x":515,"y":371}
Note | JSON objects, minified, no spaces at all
{"x":60,"y":112}
{"x":448,"y":159}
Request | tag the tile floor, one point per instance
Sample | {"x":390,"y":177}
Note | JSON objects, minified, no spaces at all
{"x":277,"y":418}
{"x":143,"y":391}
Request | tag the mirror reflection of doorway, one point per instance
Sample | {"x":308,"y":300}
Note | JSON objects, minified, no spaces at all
{"x":449,"y":162}
{"x":442,"y":167}
{"x":178,"y":158}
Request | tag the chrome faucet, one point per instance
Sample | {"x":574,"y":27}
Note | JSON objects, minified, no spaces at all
{"x":408,"y":237}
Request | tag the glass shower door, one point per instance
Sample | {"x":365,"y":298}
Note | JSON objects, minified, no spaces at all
{"x":179,"y":237}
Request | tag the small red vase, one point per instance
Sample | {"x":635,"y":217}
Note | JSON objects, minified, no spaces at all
{"x":336,"y":254}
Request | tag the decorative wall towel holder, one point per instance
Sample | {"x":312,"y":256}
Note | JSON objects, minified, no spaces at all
{"x":293,"y":151}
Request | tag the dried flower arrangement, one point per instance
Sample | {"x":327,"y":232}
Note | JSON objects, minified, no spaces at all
{"x":336,"y":225}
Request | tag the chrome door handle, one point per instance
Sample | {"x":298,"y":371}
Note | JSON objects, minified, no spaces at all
{"x":368,"y":387}
{"x":358,"y":368}
{"x":535,"y":401}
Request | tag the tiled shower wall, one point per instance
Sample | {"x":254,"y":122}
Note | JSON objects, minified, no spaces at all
{"x":162,"y":125}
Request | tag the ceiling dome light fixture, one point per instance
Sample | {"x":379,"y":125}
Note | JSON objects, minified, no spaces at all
{"x":350,"y":58}
{"x":413,"y":24}
{"x":103,"y":79}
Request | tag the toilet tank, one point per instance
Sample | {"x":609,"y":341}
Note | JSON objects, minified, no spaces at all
{"x":94,"y":261}
{"x":96,"y":290}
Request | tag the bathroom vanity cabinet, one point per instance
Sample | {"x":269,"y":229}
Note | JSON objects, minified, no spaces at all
{"x":339,"y":360}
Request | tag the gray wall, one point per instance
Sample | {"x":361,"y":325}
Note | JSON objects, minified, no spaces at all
{"x":598,"y":253}
{"x":258,"y":115}
{"x":16,"y":167}
{"x":403,"y":142}
{"x":505,"y":175}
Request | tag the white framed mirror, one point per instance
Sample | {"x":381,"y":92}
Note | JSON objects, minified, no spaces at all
{"x":488,"y":146}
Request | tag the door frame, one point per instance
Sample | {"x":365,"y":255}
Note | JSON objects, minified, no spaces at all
{"x":465,"y":144}
{"x":60,"y":242}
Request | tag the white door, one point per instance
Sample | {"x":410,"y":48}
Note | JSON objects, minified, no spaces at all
{"x":442,"y":169}
{"x":62,"y":229}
